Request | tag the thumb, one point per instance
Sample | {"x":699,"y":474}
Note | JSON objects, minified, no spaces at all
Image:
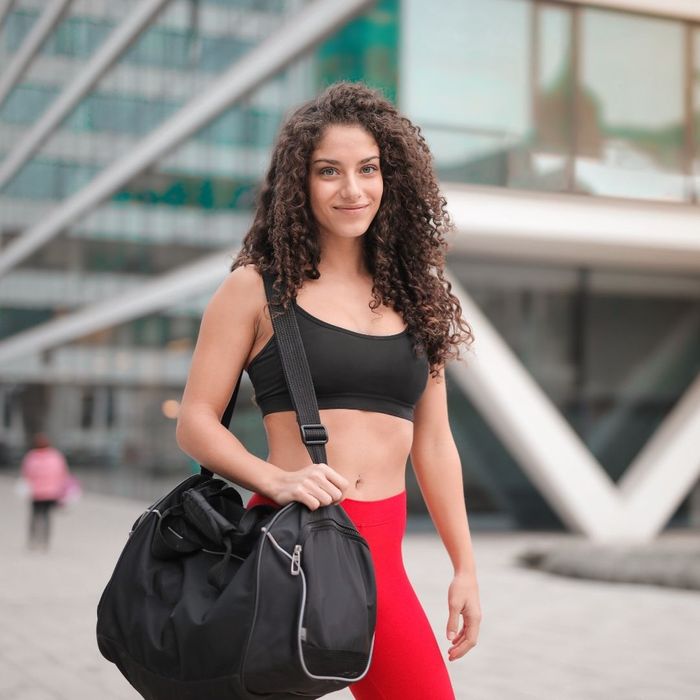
{"x":452,"y":625}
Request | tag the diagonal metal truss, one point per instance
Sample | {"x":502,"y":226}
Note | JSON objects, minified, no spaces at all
{"x":50,"y":17}
{"x":111,"y":50}
{"x":313,"y":23}
{"x":159,"y":293}
{"x":559,"y":463}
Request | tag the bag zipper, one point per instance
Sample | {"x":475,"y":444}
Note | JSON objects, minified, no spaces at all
{"x":264,"y":529}
{"x":296,"y":560}
{"x":330,"y":523}
{"x":295,"y":569}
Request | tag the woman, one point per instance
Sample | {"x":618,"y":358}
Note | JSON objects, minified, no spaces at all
{"x":351,"y":223}
{"x":45,"y":470}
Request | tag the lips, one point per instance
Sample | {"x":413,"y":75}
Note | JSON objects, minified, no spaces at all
{"x":364,"y":206}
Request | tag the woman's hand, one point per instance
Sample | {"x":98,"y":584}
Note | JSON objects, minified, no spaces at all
{"x":463,"y":601}
{"x":315,"y":485}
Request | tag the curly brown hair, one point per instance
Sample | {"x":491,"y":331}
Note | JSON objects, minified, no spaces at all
{"x":404,"y":246}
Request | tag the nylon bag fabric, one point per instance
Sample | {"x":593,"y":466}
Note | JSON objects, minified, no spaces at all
{"x":209,"y":600}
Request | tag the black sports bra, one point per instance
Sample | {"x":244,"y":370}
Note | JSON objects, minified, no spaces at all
{"x":349,"y":370}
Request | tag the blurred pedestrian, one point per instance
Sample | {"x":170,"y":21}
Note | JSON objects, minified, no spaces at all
{"x":45,"y":470}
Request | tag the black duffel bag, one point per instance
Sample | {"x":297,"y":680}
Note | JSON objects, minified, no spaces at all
{"x":209,"y":600}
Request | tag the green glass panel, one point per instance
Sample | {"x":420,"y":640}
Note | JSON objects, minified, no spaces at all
{"x":206,"y":192}
{"x":364,"y":49}
{"x":25,"y":102}
{"x":17,"y":26}
{"x":36,"y":180}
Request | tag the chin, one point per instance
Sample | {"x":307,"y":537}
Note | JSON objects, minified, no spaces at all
{"x":355,"y":231}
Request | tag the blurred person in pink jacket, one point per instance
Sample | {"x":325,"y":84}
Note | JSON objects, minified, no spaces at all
{"x":45,"y":470}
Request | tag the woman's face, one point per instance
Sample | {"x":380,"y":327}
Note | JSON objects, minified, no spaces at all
{"x":345,"y":182}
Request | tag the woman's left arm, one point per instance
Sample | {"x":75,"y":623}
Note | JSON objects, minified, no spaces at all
{"x":438,"y":471}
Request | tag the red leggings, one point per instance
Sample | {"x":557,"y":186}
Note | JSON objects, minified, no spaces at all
{"x":407,"y":663}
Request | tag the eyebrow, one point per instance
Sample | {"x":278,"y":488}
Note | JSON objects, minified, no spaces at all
{"x":337,"y":162}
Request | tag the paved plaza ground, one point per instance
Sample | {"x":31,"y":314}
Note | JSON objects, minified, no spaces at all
{"x":543,"y":637}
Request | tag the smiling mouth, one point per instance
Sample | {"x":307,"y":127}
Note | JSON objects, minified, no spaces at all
{"x":364,"y":206}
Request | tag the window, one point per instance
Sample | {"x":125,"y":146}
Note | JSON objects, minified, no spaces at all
{"x":465,"y":85}
{"x":630,"y":137}
{"x":87,"y":408}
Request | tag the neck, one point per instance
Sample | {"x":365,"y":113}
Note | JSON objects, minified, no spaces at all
{"x":342,"y":257}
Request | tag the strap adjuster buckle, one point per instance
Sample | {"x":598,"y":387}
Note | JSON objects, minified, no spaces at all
{"x":313,"y":433}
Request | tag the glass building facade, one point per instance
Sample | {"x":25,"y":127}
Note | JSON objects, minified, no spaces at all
{"x":516,"y":94}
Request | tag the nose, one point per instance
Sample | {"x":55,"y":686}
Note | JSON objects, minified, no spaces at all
{"x":350,"y":189}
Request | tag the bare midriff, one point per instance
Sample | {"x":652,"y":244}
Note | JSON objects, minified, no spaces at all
{"x":369,"y":449}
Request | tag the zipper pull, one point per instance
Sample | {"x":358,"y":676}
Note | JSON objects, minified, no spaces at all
{"x":296,"y":560}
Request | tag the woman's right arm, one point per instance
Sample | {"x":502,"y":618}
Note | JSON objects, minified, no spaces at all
{"x":226,"y":335}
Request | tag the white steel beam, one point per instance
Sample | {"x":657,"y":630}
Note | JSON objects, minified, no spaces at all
{"x":574,"y":229}
{"x":665,"y":471}
{"x":31,"y":45}
{"x":312,"y":24}
{"x":111,"y":50}
{"x":530,"y":426}
{"x":160,"y":293}
{"x":558,"y":462}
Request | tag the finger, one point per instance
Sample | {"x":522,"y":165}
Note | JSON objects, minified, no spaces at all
{"x":322,"y":477}
{"x":465,"y":641}
{"x":459,"y":638}
{"x":452,"y":623}
{"x":462,"y":648}
{"x":337,"y":479}
{"x":470,"y":630}
{"x":336,"y":494}
{"x":322,"y":496}
{"x":310,"y":501}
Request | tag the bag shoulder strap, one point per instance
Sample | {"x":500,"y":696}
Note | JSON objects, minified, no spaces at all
{"x":297,"y":375}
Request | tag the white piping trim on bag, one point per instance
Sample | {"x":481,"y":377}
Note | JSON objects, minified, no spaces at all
{"x":345,"y":679}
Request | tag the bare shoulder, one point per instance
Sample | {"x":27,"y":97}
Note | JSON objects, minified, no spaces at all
{"x":244,"y":283}
{"x":242,"y":293}
{"x":227,"y":333}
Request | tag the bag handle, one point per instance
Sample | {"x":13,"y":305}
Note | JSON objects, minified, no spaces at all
{"x":297,"y":375}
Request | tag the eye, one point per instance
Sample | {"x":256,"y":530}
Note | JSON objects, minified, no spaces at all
{"x":372,"y":169}
{"x":328,"y":170}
